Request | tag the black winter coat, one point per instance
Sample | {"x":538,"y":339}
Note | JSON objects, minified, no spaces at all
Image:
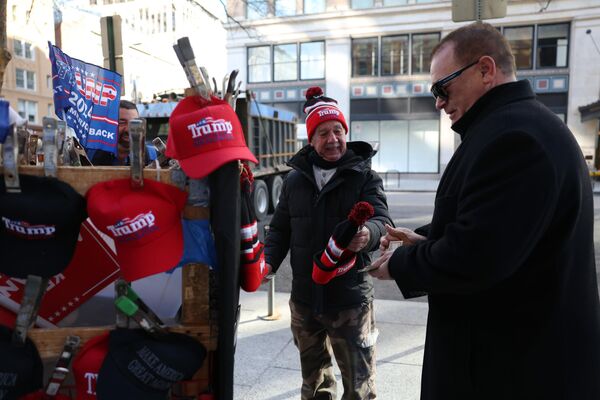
{"x":304,"y":220}
{"x":509,"y":260}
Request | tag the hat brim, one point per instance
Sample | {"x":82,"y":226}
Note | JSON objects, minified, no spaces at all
{"x":44,"y":258}
{"x":202,"y":165}
{"x":159,"y":255}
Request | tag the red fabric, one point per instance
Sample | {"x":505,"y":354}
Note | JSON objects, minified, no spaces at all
{"x":144,"y":223}
{"x":86,"y":365}
{"x":204,"y":135}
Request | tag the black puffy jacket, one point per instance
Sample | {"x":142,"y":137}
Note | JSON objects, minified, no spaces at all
{"x":305,"y":218}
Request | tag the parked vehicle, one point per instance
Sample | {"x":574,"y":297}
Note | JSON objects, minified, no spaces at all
{"x":270,"y":134}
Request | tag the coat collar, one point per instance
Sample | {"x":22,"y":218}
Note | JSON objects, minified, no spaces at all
{"x":492,"y":100}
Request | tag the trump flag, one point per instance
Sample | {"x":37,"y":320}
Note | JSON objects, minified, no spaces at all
{"x":87,"y":97}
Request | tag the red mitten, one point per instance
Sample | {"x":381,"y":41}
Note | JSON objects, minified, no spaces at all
{"x":252,"y":258}
{"x":336,"y":260}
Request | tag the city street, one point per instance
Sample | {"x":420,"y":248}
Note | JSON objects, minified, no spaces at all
{"x":411,"y":210}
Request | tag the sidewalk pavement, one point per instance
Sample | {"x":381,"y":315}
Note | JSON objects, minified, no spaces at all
{"x":267,"y":366}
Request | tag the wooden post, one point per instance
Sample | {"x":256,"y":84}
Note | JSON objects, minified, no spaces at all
{"x":5,"y":55}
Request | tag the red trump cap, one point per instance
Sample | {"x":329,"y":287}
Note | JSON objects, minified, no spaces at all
{"x":144,"y":223}
{"x":204,"y":135}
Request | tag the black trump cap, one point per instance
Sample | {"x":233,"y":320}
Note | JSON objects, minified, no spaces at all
{"x":39,"y":227}
{"x":21,"y":369}
{"x":142,"y":367}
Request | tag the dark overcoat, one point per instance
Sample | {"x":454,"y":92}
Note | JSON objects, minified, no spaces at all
{"x":509,"y":260}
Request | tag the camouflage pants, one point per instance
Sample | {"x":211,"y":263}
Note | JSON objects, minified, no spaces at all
{"x":350,"y":335}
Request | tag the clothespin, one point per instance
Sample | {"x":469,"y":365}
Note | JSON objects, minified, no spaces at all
{"x":22,"y":135}
{"x":185,"y":54}
{"x":130,"y":304}
{"x":137,"y":136}
{"x":61,"y":369}
{"x":10,"y":156}
{"x":35,"y":287}
{"x":49,"y":144}
{"x":61,"y":131}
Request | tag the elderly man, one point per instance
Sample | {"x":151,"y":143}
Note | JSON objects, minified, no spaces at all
{"x":335,"y":318}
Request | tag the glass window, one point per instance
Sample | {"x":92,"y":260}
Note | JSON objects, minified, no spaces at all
{"x":394,"y":55}
{"x":312,"y":60}
{"x":314,"y":6}
{"x":259,"y":64}
{"x":28,"y":110}
{"x":23,"y":49}
{"x":422,"y":45}
{"x":362,"y":4}
{"x":25,"y":79}
{"x":285,"y":62}
{"x":552,"y":45}
{"x":365,"y":57}
{"x":404,"y":146}
{"x":285,"y":7}
{"x":256,"y":9}
{"x":521,"y":43}
{"x":387,"y":3}
{"x":423,"y":146}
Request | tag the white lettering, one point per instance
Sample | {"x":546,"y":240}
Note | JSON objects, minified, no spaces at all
{"x":24,"y":228}
{"x":102,"y":132}
{"x":209,"y":126}
{"x":91,"y":382}
{"x":129,"y":226}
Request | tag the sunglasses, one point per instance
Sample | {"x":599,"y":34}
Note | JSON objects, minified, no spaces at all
{"x":437,"y":89}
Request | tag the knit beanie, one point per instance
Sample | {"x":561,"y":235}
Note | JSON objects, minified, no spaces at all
{"x":319,"y":108}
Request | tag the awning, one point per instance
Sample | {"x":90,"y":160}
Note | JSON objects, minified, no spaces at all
{"x":590,"y":111}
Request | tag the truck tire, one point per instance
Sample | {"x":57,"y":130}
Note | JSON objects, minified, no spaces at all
{"x":275,"y":184}
{"x":261,"y":199}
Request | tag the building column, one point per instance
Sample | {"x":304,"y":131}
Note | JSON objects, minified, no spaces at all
{"x":338,"y":59}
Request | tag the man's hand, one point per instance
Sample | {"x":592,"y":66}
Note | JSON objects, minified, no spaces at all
{"x":382,"y":270}
{"x":407,"y":237}
{"x":269,"y":274}
{"x":360,"y":240}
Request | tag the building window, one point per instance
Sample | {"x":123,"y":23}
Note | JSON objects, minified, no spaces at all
{"x":285,"y":62}
{"x":552,"y":45}
{"x":408,"y":146}
{"x":521,"y":43}
{"x":23,"y":49}
{"x":259,"y":64}
{"x":394,"y":55}
{"x":284,"y":8}
{"x":314,"y":6}
{"x":28,"y":110}
{"x":256,"y":9}
{"x":25,"y":79}
{"x":312,"y":60}
{"x":360,"y":4}
{"x":388,"y":3}
{"x":365,"y":57}
{"x":422,"y":45}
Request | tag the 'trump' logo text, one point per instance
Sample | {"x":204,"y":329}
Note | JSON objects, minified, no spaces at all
{"x":23,"y":228}
{"x":138,"y":226}
{"x":211,"y":130}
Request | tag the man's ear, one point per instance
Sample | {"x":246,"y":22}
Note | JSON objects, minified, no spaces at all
{"x":487,"y":68}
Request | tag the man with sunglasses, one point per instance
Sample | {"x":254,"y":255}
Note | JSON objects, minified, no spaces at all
{"x":508,"y":258}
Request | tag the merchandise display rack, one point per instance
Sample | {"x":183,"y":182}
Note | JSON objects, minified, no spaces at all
{"x":214,"y":328}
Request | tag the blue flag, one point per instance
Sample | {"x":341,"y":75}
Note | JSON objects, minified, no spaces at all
{"x":87,"y":96}
{"x":4,"y":120}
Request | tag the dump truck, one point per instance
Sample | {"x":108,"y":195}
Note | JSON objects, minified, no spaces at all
{"x":270,"y":134}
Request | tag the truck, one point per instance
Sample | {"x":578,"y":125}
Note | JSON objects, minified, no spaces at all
{"x":270,"y":135}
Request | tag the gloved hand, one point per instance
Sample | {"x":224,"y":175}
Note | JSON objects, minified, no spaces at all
{"x":336,"y":259}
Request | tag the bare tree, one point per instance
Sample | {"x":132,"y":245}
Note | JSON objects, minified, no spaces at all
{"x":5,"y":55}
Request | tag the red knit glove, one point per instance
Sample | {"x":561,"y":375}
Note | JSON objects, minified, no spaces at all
{"x":252,"y":258}
{"x":336,"y":260}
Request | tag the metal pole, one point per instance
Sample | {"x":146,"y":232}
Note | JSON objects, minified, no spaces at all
{"x":272,"y":313}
